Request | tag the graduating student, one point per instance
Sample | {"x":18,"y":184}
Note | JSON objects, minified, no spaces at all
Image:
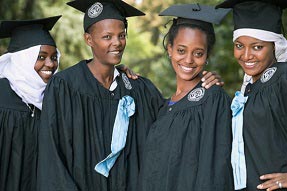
{"x":95,"y":119}
{"x":189,"y":145}
{"x":259,"y":152}
{"x":31,"y":60}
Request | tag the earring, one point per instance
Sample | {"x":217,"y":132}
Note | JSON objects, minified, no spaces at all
{"x":169,"y":56}
{"x":206,"y":62}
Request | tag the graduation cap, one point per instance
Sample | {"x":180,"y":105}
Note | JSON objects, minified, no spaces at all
{"x":104,"y":9}
{"x":27,"y":33}
{"x":256,"y":14}
{"x":197,"y":12}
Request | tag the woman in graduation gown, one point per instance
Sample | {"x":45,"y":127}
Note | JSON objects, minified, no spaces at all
{"x":30,"y":61}
{"x":189,"y":145}
{"x":94,"y":118}
{"x":259,"y":151}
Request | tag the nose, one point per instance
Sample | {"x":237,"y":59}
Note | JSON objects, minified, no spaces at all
{"x":247,"y":54}
{"x":49,"y":62}
{"x":117,"y":41}
{"x":189,"y":58}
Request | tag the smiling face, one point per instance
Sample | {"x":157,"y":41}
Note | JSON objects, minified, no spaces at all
{"x":47,"y":62}
{"x":107,"y":38}
{"x":254,"y":55}
{"x":188,"y":53}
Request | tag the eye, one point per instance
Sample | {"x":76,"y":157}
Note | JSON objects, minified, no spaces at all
{"x":123,"y":36}
{"x":180,"y":51}
{"x":54,"y":58}
{"x":198,"y":54}
{"x":107,"y":37}
{"x":238,"y":46}
{"x":40,"y":57}
{"x":257,"y":47}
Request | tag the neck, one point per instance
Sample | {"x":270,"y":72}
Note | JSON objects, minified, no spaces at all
{"x":183,"y":87}
{"x":103,"y":73}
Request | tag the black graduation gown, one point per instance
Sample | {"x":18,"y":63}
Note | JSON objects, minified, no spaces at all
{"x":18,"y":141}
{"x":189,"y":146}
{"x":265,"y":126}
{"x":77,"y":123}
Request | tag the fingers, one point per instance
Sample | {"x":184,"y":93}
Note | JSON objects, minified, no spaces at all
{"x":132,"y":74}
{"x":274,"y":181}
{"x":211,"y":78}
{"x":128,"y":71}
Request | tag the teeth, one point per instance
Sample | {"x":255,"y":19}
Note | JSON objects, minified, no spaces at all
{"x":115,"y":52}
{"x":249,"y":63}
{"x":187,"y":69}
{"x":47,"y":72}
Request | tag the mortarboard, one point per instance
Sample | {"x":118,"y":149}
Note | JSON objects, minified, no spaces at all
{"x":256,"y":14}
{"x":28,"y":33}
{"x":104,"y":9}
{"x":196,"y":12}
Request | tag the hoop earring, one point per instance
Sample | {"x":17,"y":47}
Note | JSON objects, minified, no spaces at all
{"x":206,"y":62}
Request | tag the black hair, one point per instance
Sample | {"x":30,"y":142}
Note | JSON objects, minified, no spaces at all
{"x":88,"y":30}
{"x":179,"y":23}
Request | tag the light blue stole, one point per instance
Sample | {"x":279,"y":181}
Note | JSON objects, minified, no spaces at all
{"x":237,"y":153}
{"x":126,"y":108}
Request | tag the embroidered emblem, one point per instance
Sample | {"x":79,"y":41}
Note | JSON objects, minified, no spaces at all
{"x":95,"y":10}
{"x":196,"y":94}
{"x":267,"y":75}
{"x":126,"y":81}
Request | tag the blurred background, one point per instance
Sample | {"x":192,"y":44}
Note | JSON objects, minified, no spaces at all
{"x":144,"y":52}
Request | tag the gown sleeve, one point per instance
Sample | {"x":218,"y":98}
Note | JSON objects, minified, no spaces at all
{"x":215,"y":145}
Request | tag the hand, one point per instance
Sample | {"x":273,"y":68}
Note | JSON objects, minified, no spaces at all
{"x":211,"y":78}
{"x":128,"y":71}
{"x":273,"y":181}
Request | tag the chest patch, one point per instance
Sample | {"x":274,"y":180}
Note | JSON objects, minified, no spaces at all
{"x":267,"y":75}
{"x":126,"y":81}
{"x":196,"y":94}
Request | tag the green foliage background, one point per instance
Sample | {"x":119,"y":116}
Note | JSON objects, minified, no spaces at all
{"x":144,"y":52}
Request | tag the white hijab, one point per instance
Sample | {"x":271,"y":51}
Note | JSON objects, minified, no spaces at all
{"x":18,"y":68}
{"x":278,"y":39}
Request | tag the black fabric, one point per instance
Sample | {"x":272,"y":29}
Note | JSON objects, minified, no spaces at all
{"x":189,"y":146}
{"x":28,"y":33}
{"x":77,"y":122}
{"x":104,"y":9}
{"x":265,"y":127}
{"x":255,"y":14}
{"x":203,"y":13}
{"x":232,"y":3}
{"x":18,"y":141}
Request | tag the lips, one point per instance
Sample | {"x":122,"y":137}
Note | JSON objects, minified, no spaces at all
{"x":249,"y":65}
{"x":47,"y":72}
{"x":116,"y":52}
{"x":186,"y":69}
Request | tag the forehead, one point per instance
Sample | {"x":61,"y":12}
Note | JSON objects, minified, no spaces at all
{"x":191,"y":34}
{"x":48,"y":48}
{"x":108,"y":25}
{"x":249,"y":39}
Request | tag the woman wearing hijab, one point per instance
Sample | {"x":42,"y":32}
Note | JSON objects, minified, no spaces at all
{"x":188,"y":147}
{"x":31,"y":60}
{"x":259,"y":150}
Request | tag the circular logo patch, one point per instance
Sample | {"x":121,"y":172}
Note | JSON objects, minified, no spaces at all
{"x":196,"y":94}
{"x":267,"y":75}
{"x":95,"y":10}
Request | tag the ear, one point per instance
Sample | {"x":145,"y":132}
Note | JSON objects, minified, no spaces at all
{"x":88,"y":39}
{"x":169,"y":50}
